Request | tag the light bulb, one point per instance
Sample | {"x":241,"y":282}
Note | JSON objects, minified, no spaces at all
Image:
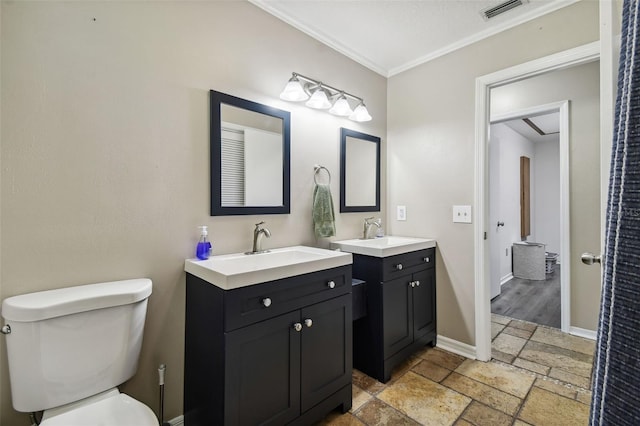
{"x":360,"y":113}
{"x":319,"y":100}
{"x":294,"y":91}
{"x":341,"y":107}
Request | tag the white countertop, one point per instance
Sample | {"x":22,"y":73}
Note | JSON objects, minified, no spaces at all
{"x":237,"y":270}
{"x":384,"y":246}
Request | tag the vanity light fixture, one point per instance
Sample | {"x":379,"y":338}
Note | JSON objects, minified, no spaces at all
{"x":322,"y":96}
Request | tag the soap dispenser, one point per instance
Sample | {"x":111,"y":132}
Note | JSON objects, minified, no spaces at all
{"x":204,"y":246}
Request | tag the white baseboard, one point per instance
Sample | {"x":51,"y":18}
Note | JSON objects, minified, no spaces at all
{"x":583,"y":332}
{"x":506,"y":279}
{"x":456,"y":347}
{"x":178,"y":421}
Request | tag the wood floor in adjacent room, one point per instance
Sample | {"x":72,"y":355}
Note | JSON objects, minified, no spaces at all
{"x":529,"y":300}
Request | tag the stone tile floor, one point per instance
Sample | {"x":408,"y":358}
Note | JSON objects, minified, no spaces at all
{"x":538,"y":376}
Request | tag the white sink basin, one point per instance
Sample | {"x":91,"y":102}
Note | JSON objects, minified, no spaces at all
{"x":384,"y":246}
{"x":231,"y":271}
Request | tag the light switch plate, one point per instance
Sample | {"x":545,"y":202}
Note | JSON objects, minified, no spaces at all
{"x":462,"y":214}
{"x":401,"y":213}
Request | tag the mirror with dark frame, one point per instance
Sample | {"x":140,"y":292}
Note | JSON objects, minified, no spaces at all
{"x":250,"y":151}
{"x":359,"y":172}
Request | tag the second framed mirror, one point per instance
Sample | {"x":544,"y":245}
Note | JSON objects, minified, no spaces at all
{"x":359,"y":172}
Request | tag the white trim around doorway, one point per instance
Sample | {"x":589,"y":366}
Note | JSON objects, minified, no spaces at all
{"x":579,"y":55}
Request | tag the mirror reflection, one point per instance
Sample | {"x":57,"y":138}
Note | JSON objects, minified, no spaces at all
{"x":250,"y":157}
{"x":251,"y":168}
{"x":359,"y":172}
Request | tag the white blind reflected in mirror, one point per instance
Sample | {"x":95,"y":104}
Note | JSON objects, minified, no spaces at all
{"x":232,"y":167}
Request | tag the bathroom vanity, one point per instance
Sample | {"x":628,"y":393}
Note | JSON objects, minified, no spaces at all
{"x":401,"y":293}
{"x":268,"y":339}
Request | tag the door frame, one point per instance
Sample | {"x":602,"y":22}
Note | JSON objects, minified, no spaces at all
{"x":562,"y":107}
{"x":562,"y":60}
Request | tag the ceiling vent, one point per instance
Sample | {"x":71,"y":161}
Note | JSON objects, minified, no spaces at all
{"x":494,"y":11}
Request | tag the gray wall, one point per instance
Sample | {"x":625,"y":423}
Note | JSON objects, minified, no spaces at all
{"x":105,"y":149}
{"x":547,"y":201}
{"x":431,"y":146}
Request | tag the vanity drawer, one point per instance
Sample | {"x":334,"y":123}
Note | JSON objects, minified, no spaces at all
{"x":407,"y":263}
{"x":247,"y":305}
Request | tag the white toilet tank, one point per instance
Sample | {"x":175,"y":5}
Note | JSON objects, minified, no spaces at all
{"x":71,"y":343}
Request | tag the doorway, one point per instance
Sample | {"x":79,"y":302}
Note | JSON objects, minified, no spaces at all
{"x":528,"y":264}
{"x":561,"y":61}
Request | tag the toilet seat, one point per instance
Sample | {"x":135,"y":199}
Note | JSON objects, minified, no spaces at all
{"x":105,"y":409}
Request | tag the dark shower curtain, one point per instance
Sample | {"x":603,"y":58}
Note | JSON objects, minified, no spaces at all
{"x":616,"y":385}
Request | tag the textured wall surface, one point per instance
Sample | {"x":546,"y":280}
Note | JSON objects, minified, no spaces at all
{"x":105,"y":155}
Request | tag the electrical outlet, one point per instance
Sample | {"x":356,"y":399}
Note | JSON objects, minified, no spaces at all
{"x":401,"y":213}
{"x":462,"y":214}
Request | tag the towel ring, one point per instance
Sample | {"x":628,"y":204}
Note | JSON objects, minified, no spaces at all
{"x":317,"y":170}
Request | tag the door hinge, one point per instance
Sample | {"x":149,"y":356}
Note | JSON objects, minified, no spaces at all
{"x":485,"y":235}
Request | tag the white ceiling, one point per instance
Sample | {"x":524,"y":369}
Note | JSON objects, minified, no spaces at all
{"x":548,"y":123}
{"x":390,"y":36}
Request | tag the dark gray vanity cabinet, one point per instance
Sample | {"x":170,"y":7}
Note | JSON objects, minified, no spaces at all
{"x":268,"y":354}
{"x":401,"y":310}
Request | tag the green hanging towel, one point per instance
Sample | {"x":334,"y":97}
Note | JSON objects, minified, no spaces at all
{"x":323,"y":216}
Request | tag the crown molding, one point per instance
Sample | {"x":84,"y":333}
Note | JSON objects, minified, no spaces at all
{"x":383,"y":71}
{"x":521,"y":19}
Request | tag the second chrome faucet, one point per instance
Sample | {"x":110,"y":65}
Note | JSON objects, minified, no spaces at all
{"x":368,"y":224}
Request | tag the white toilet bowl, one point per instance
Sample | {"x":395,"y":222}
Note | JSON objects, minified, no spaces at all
{"x":107,"y":408}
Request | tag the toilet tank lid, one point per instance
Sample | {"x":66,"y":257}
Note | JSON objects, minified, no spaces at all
{"x":71,"y":300}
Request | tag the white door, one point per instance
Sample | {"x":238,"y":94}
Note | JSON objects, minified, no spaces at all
{"x":495,"y":245}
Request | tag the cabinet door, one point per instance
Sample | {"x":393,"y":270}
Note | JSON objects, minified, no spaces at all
{"x":263,"y":372}
{"x":424,"y":309}
{"x":397,"y":315}
{"x":326,"y":353}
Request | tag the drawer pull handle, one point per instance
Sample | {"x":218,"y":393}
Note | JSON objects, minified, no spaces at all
{"x":308,"y":322}
{"x":417,"y":283}
{"x":399,"y":266}
{"x":297,"y":326}
{"x":426,"y":259}
{"x":331,"y":284}
{"x":266,"y":302}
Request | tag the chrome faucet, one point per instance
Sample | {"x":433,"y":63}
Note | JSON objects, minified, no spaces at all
{"x":257,"y":238}
{"x":368,"y":224}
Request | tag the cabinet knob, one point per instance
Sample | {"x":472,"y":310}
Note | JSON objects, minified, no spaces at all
{"x":426,"y":260}
{"x":417,"y":283}
{"x":331,"y":284}
{"x":308,"y":322}
{"x":399,"y":266}
{"x":266,"y":302}
{"x":297,"y":326}
{"x":412,"y":283}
